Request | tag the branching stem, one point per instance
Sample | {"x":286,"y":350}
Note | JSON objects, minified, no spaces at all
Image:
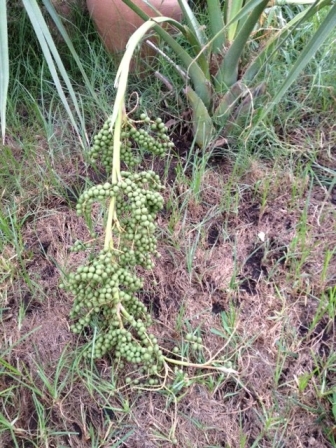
{"x":200,"y":366}
{"x":116,"y":177}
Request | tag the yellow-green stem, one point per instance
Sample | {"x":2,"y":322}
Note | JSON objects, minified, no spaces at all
{"x":108,"y":231}
{"x":112,"y":215}
{"x":118,"y":309}
{"x":199,"y":366}
{"x":117,"y":144}
{"x":124,"y":312}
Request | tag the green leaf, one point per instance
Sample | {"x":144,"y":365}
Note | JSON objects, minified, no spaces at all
{"x":278,"y":39}
{"x":9,"y":367}
{"x":54,"y":63}
{"x":232,"y":8}
{"x":218,"y":333}
{"x":217,"y":25}
{"x":55,"y":17}
{"x":4,"y":64}
{"x":228,"y":72}
{"x":52,"y":57}
{"x":200,"y":55}
{"x":197,"y":38}
{"x":291,"y":2}
{"x":201,"y":83}
{"x":193,"y":24}
{"x":333,"y":405}
{"x":303,"y":380}
{"x":227,"y":103}
{"x":323,"y":32}
{"x":204,"y":130}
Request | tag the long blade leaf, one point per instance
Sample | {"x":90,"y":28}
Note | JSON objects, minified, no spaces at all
{"x":200,"y":81}
{"x":323,"y":32}
{"x":55,"y":17}
{"x":4,"y":66}
{"x":232,"y":8}
{"x":202,"y":55}
{"x":228,"y":71}
{"x":196,"y":37}
{"x":204,"y":130}
{"x":52,"y":56}
{"x":217,"y":25}
{"x":192,"y":23}
{"x":279,"y":38}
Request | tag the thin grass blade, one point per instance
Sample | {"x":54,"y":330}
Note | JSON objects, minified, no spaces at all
{"x":4,"y":66}
{"x":8,"y":366}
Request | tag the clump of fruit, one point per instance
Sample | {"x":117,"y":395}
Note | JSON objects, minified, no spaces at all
{"x":105,"y":286}
{"x":151,"y":137}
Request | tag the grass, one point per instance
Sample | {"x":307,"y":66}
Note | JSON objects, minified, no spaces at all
{"x":247,"y":243}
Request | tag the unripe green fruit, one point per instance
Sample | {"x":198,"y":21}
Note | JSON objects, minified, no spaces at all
{"x":107,"y":281}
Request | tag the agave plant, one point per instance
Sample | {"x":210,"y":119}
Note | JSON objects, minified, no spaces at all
{"x":222,"y":88}
{"x":51,"y":55}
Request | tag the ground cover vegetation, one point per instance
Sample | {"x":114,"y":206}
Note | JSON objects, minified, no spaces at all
{"x":245,"y":231}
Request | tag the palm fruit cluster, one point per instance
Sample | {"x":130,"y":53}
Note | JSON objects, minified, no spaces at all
{"x":152,"y":137}
{"x":137,"y":202}
{"x":106,"y":307}
{"x":105,"y":299}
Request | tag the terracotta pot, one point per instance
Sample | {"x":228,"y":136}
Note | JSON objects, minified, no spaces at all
{"x":116,"y":22}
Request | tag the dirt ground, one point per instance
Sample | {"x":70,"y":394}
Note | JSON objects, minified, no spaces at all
{"x":246,"y":264}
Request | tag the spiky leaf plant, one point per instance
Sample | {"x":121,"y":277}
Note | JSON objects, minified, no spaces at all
{"x":222,"y":89}
{"x":54,"y":62}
